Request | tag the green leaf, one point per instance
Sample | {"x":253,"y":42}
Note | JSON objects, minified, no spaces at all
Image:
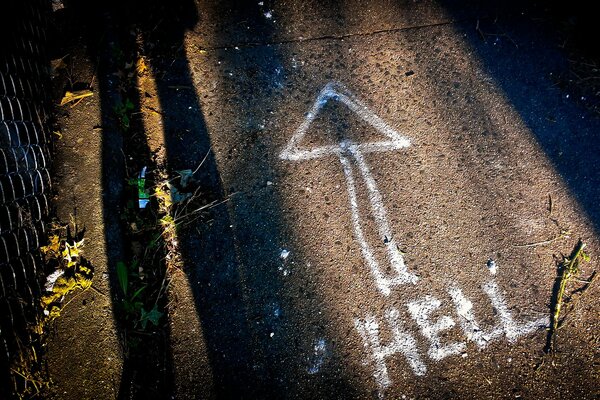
{"x":153,"y":316}
{"x":128,"y":307}
{"x":123,"y":276}
{"x":585,"y":257}
{"x":125,"y":121}
{"x":185,"y":177}
{"x":154,"y":242}
{"x":137,"y":292}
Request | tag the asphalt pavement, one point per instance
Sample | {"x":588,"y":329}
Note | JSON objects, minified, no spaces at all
{"x":401,"y":179}
{"x":392,"y":170}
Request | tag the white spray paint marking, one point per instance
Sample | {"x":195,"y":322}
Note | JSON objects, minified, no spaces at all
{"x":351,"y":156}
{"x":337,"y":91}
{"x":402,"y":275}
{"x":513,"y":330}
{"x":492,"y":266}
{"x":364,"y":246}
{"x":404,"y":343}
{"x":318,"y":356}
{"x":348,"y":152}
{"x":464,"y":309}
{"x":385,"y":233}
{"x":421,"y":311}
{"x":401,"y":343}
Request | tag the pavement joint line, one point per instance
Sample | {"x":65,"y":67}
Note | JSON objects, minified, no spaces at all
{"x":250,"y":45}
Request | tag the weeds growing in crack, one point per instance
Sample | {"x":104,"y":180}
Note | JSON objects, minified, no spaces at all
{"x":170,"y":204}
{"x":158,"y":203}
{"x":567,"y":271}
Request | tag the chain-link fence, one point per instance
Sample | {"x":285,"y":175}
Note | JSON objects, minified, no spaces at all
{"x":24,"y":171}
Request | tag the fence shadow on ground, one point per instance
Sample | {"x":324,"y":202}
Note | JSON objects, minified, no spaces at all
{"x":230,"y":296}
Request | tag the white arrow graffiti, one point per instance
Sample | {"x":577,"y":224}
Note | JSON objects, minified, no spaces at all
{"x":347,"y":151}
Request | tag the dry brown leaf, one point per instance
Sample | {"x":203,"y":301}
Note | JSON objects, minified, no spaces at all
{"x":57,"y":65}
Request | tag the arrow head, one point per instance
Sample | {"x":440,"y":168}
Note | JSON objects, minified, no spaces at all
{"x":338,"y":92}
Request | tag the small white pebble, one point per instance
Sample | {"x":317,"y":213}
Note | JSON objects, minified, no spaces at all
{"x":272,"y":334}
{"x":269,"y":183}
{"x":284,"y":254}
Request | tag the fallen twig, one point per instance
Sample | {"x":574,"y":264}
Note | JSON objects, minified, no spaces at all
{"x":563,"y":234}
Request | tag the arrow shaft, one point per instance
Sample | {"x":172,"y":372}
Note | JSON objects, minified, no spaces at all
{"x":380,"y":215}
{"x":401,"y":276}
{"x":358,"y":232}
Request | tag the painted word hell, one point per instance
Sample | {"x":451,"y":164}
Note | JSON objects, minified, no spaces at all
{"x":404,"y":344}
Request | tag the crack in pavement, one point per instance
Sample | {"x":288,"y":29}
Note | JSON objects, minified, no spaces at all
{"x":249,"y":45}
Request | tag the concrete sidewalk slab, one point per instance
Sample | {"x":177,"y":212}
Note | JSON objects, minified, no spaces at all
{"x":470,"y":196}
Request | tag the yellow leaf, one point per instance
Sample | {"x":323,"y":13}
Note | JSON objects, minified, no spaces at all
{"x":53,"y":246}
{"x":164,"y":198}
{"x":66,"y":253}
{"x":141,"y":66}
{"x":76,"y":95}
{"x":85,"y":270}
